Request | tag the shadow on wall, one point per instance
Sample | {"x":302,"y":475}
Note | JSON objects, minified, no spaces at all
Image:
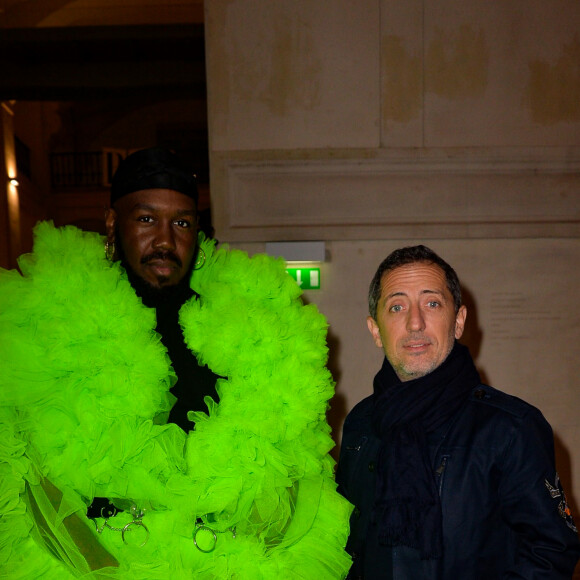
{"x":472,"y":334}
{"x":473,"y":338}
{"x":337,"y":410}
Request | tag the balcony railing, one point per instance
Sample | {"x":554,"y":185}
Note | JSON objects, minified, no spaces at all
{"x":76,"y":170}
{"x":95,"y":169}
{"x":86,"y":169}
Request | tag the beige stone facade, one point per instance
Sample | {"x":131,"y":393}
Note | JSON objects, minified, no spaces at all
{"x":378,"y":123}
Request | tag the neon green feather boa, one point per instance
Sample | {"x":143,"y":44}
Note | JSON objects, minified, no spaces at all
{"x":84,"y":393}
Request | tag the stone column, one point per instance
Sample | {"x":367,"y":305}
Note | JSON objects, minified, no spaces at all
{"x":9,"y":198}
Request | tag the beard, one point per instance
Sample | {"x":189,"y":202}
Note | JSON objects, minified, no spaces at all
{"x":155,"y":296}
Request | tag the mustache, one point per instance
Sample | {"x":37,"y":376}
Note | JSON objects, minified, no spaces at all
{"x":159,"y":255}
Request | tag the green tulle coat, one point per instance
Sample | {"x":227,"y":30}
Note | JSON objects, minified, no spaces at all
{"x":84,"y":397}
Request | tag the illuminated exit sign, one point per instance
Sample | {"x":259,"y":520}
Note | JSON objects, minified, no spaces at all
{"x":306,"y":278}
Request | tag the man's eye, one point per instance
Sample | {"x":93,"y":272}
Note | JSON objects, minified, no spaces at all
{"x":145,"y":219}
{"x":395,"y":308}
{"x":183,"y":223}
{"x":434,"y":303}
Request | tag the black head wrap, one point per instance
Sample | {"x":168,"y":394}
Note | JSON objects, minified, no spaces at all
{"x":153,"y":168}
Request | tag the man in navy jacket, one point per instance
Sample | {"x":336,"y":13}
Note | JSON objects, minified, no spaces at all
{"x":451,"y":479}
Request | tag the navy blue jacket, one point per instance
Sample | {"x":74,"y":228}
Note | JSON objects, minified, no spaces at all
{"x":504,"y":511}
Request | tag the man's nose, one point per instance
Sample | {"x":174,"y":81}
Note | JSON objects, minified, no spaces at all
{"x":164,"y":237}
{"x":415,"y":319}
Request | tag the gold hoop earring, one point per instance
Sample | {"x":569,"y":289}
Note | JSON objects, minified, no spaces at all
{"x":109,"y":250}
{"x":200,"y":259}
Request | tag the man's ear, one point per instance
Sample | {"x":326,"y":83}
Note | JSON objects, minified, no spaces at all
{"x":374,"y":330}
{"x":460,"y":318}
{"x":110,"y":222}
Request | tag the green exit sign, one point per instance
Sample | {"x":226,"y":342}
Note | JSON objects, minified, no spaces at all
{"x":306,"y":278}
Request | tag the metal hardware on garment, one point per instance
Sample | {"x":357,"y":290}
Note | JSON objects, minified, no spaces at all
{"x":357,"y":447}
{"x":200,"y":259}
{"x":137,"y":515}
{"x":200,"y":525}
{"x":439,"y":471}
{"x":127,"y":528}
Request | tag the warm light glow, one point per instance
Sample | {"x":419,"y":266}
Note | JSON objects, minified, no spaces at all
{"x":14,"y":212}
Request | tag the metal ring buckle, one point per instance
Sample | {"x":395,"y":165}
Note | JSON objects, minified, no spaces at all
{"x":127,"y":528}
{"x":199,"y":527}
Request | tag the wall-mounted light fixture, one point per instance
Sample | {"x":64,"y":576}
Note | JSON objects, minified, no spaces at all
{"x":302,"y":259}
{"x":297,"y":251}
{"x":13,"y":181}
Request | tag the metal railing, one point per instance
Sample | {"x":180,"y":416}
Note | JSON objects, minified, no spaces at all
{"x":77,"y":170}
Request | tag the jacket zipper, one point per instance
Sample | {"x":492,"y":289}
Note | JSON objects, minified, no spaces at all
{"x":439,"y":472}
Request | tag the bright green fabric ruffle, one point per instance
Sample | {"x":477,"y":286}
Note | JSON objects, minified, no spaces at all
{"x":84,"y":395}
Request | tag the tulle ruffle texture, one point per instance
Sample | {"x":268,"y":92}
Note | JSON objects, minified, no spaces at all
{"x":84,"y":397}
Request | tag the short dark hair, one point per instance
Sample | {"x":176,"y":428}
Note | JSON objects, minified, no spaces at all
{"x":412,"y":255}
